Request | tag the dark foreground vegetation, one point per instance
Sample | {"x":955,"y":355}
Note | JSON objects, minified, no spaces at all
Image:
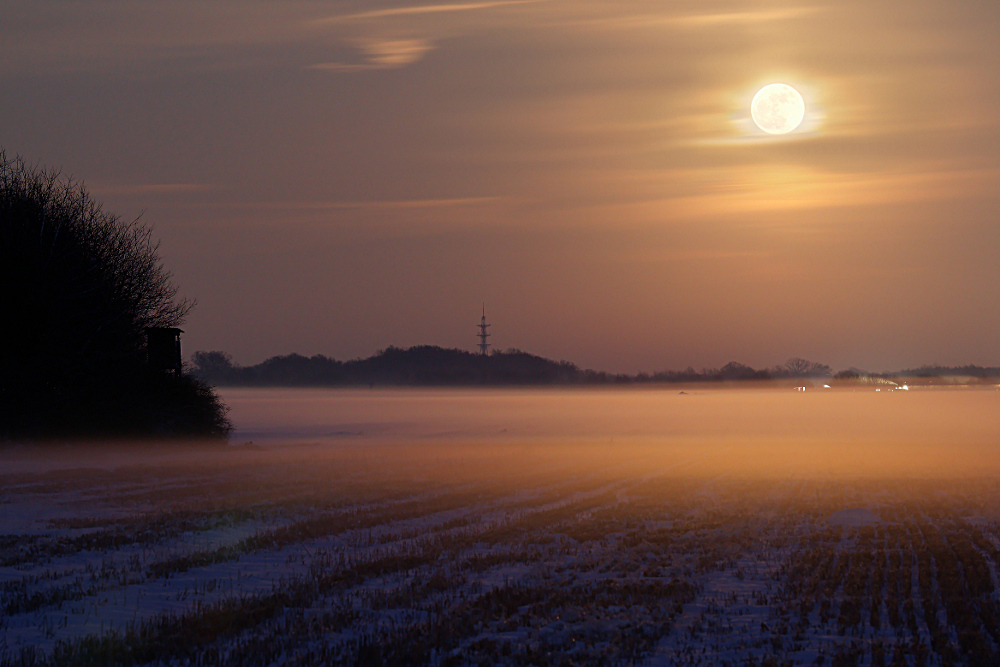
{"x":79,"y":289}
{"x":431,"y":365}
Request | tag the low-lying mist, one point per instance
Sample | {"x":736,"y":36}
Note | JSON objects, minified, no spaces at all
{"x":694,"y":431}
{"x":741,"y":432}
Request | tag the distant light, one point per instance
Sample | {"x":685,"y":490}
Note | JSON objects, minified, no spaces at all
{"x":826,"y":386}
{"x":905,"y":388}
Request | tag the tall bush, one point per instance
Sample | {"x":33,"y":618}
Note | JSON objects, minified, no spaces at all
{"x":78,"y":289}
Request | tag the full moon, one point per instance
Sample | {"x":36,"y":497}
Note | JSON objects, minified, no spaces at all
{"x":777,"y":108}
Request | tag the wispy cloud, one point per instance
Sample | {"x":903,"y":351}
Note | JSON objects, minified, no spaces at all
{"x":398,"y":36}
{"x":143,"y":189}
{"x":746,"y":17}
{"x":770,"y":188}
{"x":398,"y":203}
{"x":423,"y":9}
{"x":617,"y":17}
{"x":364,"y":204}
{"x":381,"y":54}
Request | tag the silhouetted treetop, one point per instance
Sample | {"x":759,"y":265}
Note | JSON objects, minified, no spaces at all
{"x":737,"y":371}
{"x":796,"y":367}
{"x":79,"y":288}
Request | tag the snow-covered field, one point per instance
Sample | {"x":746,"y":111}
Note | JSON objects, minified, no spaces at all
{"x":520,"y":527}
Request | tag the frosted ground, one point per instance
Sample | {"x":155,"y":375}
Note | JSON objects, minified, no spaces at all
{"x":646,"y":527}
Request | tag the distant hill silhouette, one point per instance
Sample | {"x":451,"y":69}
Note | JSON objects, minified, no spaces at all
{"x":429,"y":365}
{"x":424,"y":365}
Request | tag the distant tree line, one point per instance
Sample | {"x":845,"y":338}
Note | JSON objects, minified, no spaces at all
{"x":963,"y":374}
{"x":429,"y":365}
{"x":981,"y":372}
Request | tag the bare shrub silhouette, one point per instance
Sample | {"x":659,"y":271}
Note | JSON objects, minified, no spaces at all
{"x":79,"y":288}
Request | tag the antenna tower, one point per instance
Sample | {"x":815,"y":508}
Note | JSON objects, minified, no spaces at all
{"x":484,"y":347}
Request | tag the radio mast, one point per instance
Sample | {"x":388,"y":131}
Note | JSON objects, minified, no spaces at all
{"x":484,"y":347}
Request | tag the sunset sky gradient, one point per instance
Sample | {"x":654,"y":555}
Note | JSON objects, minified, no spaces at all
{"x":336,"y":177}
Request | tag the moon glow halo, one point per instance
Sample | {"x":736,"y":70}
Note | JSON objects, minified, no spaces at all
{"x":777,"y":108}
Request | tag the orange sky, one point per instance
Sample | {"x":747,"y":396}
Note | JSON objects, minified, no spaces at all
{"x":337,"y":177}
